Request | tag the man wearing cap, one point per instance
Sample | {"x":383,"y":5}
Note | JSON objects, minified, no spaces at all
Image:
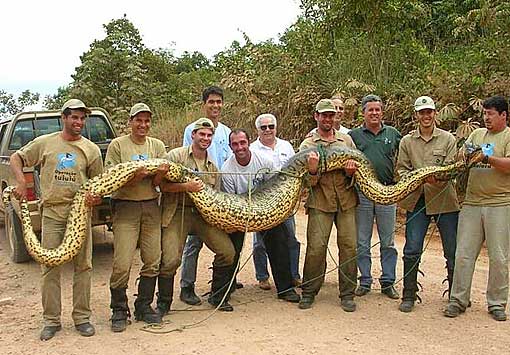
{"x":136,"y":219}
{"x":379,"y":143}
{"x":332,"y":199}
{"x":427,"y":146}
{"x":485,"y":215}
{"x":67,"y":160}
{"x":180,"y":217}
{"x":279,"y":151}
{"x":218,"y":151}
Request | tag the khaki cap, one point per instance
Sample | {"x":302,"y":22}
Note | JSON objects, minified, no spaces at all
{"x":325,"y":105}
{"x":74,"y":104}
{"x":203,"y":123}
{"x":139,"y":107}
{"x":424,"y":102}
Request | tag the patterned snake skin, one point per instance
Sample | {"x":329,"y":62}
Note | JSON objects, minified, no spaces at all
{"x":272,"y":203}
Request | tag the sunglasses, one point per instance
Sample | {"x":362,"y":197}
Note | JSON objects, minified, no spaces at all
{"x":339,"y":108}
{"x":270,"y":126}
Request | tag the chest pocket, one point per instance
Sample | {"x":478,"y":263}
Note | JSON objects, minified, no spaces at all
{"x":438,"y":156}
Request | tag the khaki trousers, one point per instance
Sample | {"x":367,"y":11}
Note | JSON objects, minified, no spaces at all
{"x":476,"y":224}
{"x":135,"y":222}
{"x":52,"y":236}
{"x":317,"y":237}
{"x":174,"y":237}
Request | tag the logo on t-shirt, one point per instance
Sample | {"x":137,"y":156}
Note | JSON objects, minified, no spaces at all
{"x":137,"y":157}
{"x":64,"y":171}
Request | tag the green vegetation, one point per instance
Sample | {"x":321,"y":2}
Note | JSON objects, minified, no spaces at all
{"x":457,"y":52}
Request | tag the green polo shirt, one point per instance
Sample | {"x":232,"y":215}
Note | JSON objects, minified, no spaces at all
{"x":380,"y":149}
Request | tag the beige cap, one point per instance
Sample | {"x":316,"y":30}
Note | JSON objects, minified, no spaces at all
{"x":325,"y":105}
{"x":139,"y":107}
{"x":203,"y":123}
{"x":75,"y":104}
{"x":424,"y":102}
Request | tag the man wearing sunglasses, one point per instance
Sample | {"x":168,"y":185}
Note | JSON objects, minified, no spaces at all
{"x":279,"y":151}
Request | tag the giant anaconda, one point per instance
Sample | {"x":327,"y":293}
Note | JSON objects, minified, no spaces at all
{"x":266,"y":207}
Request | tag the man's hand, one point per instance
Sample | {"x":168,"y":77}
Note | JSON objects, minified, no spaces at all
{"x":194,"y":185}
{"x":431,"y":180}
{"x":92,"y":199}
{"x":351,"y":166}
{"x":140,"y":174}
{"x":20,"y":192}
{"x":313,"y":162}
{"x":163,"y":169}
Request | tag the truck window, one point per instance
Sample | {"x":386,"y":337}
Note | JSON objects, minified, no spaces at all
{"x":2,"y":133}
{"x":97,"y":130}
{"x":46,"y":125}
{"x":22,"y":134}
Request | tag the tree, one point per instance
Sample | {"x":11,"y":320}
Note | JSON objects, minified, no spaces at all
{"x":9,"y":105}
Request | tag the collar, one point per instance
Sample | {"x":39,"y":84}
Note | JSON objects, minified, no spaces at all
{"x":365,"y":129}
{"x":416,"y":133}
{"x":316,"y":137}
{"x":190,"y":153}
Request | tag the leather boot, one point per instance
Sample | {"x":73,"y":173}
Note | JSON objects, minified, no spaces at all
{"x":219,"y":287}
{"x":189,"y":296}
{"x":120,"y":309}
{"x":143,"y":309}
{"x":449,"y":279}
{"x":410,"y":283}
{"x":165,"y":294}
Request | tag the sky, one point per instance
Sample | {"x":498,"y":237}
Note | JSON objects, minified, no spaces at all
{"x":42,"y":40}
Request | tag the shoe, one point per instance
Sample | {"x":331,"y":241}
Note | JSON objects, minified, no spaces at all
{"x":297,"y":282}
{"x":390,"y":292}
{"x":452,"y":310}
{"x":225,"y":306}
{"x":306,"y":302}
{"x":85,"y":329}
{"x":189,"y":296}
{"x":119,"y":321}
{"x":361,"y":290}
{"x":406,"y":306}
{"x":49,"y":331}
{"x":348,"y":305}
{"x":264,"y":285}
{"x":289,"y":296}
{"x":498,"y":314}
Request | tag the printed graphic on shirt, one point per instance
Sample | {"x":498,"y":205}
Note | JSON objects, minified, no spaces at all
{"x":488,"y":149}
{"x":137,"y":157}
{"x":64,"y":173}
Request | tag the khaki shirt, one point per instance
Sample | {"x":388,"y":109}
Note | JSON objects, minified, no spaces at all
{"x":330,"y":191}
{"x":65,"y":166}
{"x":122,"y":150}
{"x":415,"y":153}
{"x":486,"y":185}
{"x":184,"y":156}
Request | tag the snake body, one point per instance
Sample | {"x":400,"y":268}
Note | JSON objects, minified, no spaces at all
{"x":269,"y":205}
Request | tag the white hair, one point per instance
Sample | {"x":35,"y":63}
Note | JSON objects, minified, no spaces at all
{"x":265,"y":115}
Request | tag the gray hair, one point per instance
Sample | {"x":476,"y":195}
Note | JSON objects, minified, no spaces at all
{"x":265,"y":115}
{"x":370,"y":98}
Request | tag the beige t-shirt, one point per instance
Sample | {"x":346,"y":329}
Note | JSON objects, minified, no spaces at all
{"x":486,"y":185}
{"x":65,"y":166}
{"x":122,"y":150}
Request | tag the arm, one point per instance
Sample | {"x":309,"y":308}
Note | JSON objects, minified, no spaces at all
{"x":194,"y":185}
{"x":17,"y":168}
{"x":404,"y":164}
{"x":501,"y":164}
{"x":163,"y":168}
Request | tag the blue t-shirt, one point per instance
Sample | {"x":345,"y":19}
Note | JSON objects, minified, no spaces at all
{"x":219,"y":151}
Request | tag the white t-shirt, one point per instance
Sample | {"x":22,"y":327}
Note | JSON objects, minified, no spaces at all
{"x":245,"y":177}
{"x":281,"y":153}
{"x":219,"y":150}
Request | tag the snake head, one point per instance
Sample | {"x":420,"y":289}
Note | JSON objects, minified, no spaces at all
{"x":473,"y":154}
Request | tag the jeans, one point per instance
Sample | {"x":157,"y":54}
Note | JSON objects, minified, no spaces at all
{"x":260,"y":254}
{"x":417,"y":223}
{"x":190,"y":260}
{"x":385,"y":217}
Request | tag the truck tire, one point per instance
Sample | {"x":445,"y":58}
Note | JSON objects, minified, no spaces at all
{"x":14,"y":234}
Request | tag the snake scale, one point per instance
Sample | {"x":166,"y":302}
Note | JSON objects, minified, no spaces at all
{"x":263,"y":209}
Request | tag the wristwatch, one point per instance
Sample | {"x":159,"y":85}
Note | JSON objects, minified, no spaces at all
{"x":485,"y":159}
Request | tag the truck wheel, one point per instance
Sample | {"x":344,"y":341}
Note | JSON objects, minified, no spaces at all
{"x":14,"y":233}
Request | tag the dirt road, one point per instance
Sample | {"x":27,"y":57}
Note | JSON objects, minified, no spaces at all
{"x":260,"y":323}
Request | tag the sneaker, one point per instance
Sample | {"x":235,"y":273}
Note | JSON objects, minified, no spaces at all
{"x":85,"y":329}
{"x":361,"y":290}
{"x":289,"y":296}
{"x":498,"y":314}
{"x":348,"y":305}
{"x":189,"y":296}
{"x":306,"y":302}
{"x":49,"y":332}
{"x":390,"y":291}
{"x":406,"y":306}
{"x":264,"y":285}
{"x":452,"y":310}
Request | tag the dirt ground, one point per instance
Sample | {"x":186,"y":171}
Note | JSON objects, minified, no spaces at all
{"x":260,"y":323}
